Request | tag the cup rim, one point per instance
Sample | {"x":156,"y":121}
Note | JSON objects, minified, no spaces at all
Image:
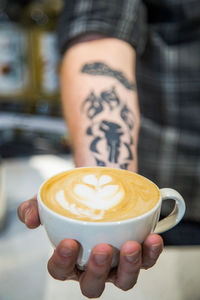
{"x":100,"y":223}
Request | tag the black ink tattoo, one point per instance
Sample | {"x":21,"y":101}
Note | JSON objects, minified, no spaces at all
{"x":124,"y":166}
{"x":112,"y":132}
{"x":111,"y":98}
{"x":95,"y":106}
{"x":108,"y":134}
{"x":100,"y":163}
{"x":130,"y":154}
{"x":93,"y":146}
{"x":99,"y":68}
{"x":89,"y":131}
{"x":127,"y":116}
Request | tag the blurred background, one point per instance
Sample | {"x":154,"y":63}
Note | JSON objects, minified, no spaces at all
{"x":30,"y":109}
{"x":34,"y":145}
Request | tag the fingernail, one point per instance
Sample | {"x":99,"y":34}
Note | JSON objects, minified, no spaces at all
{"x":101,"y":258}
{"x":65,"y":252}
{"x":132,"y":257}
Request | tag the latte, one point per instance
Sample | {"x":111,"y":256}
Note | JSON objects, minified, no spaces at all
{"x":99,"y":194}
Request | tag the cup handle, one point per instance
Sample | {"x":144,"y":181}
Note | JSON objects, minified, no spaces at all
{"x":177,"y":213}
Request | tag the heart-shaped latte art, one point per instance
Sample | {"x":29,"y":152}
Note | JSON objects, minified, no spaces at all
{"x":96,"y":193}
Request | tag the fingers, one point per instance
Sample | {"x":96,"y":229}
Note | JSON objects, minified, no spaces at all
{"x":133,"y":257}
{"x":28,"y":213}
{"x":92,"y":282}
{"x":129,"y":265}
{"x":62,"y":263}
{"x":152,"y":248}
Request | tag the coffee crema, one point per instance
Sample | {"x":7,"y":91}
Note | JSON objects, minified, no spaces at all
{"x":99,"y":194}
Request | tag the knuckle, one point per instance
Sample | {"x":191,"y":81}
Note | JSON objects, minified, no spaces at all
{"x":136,"y":265}
{"x":132,"y":272}
{"x":134,"y":268}
{"x":60,"y":270}
{"x":98,"y":276}
{"x":23,"y":206}
{"x":56,"y":273}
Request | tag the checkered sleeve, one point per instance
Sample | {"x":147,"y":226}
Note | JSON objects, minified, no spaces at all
{"x":122,"y":19}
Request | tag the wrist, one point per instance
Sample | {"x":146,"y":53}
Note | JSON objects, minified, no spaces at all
{"x":84,"y":158}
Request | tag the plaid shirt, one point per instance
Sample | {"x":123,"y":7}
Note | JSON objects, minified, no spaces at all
{"x":166,"y":36}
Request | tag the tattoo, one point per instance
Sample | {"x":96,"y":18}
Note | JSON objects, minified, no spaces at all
{"x":93,"y":146}
{"x":111,"y":98}
{"x":127,"y":116}
{"x":130,"y":154}
{"x":115,"y":138}
{"x":124,"y":166}
{"x":99,"y":68}
{"x":100,"y":163}
{"x":112,"y":133}
{"x":95,"y":106}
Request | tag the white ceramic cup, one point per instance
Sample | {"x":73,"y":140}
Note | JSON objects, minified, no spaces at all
{"x":89,"y":234}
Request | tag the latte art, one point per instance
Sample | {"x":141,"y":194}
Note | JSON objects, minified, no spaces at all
{"x":99,"y":194}
{"x":96,"y":194}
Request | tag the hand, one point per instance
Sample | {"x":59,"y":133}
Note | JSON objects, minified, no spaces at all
{"x":61,"y":265}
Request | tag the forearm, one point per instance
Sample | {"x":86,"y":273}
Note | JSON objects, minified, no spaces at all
{"x":100,"y":103}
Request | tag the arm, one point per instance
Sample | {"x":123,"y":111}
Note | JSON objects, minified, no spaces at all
{"x":100,"y":103}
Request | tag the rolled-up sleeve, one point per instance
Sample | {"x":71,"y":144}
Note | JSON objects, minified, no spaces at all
{"x":122,"y":19}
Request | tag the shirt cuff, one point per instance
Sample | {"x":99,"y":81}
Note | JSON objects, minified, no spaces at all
{"x":107,"y":18}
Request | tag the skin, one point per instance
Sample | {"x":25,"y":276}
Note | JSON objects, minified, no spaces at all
{"x":61,"y":265}
{"x":76,"y":87}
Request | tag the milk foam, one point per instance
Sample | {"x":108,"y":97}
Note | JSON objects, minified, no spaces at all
{"x":92,"y":180}
{"x":99,"y":194}
{"x":95,"y":193}
{"x":60,"y":197}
